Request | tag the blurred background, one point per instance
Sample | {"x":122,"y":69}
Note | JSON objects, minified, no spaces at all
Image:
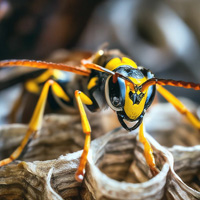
{"x":163,"y":36}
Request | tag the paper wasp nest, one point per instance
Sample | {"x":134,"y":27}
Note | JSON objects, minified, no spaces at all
{"x":116,"y":167}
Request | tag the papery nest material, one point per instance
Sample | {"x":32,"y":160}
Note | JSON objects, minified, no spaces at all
{"x":116,"y":167}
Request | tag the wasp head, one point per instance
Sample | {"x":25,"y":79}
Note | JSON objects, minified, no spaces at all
{"x":124,"y":96}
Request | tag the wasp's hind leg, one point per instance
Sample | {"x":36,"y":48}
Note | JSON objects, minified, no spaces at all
{"x":81,"y":99}
{"x":179,"y":106}
{"x":36,"y":120}
{"x":148,"y":151}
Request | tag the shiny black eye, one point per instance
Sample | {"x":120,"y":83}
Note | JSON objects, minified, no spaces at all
{"x":116,"y":101}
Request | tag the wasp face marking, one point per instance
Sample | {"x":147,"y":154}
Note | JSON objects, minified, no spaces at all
{"x":134,"y":103}
{"x":135,"y":97}
{"x":122,"y":97}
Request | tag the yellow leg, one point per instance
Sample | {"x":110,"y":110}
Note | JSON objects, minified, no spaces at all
{"x":36,"y":120}
{"x":178,"y":105}
{"x":148,"y":151}
{"x":82,"y":98}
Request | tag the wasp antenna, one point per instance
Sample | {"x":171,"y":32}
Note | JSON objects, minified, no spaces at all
{"x":44,"y":65}
{"x":88,"y":64}
{"x":154,"y":81}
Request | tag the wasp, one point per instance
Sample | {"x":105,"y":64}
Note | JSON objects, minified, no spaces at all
{"x":111,"y":79}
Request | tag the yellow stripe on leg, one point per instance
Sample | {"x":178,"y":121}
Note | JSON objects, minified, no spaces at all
{"x":36,"y":120}
{"x":85,"y":99}
{"x":33,"y":85}
{"x":81,"y":168}
{"x":148,"y":151}
{"x":84,"y":120}
{"x":34,"y":125}
{"x":178,"y":105}
{"x":19,"y":150}
{"x":80,"y":99}
{"x":57,"y":89}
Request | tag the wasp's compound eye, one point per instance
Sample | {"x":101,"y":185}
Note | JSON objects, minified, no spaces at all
{"x":112,"y":95}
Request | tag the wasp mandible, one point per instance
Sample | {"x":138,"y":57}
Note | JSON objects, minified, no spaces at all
{"x":113,"y":80}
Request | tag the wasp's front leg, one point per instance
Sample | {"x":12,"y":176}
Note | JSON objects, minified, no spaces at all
{"x":80,"y":99}
{"x":36,"y":120}
{"x":148,"y":151}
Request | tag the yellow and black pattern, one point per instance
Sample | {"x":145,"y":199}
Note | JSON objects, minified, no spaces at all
{"x":130,"y":104}
{"x":107,"y":78}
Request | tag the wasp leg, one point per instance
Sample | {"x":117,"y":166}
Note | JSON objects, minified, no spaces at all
{"x":36,"y":120}
{"x":179,"y":106}
{"x":148,"y":151}
{"x":80,"y":99}
{"x":33,"y":86}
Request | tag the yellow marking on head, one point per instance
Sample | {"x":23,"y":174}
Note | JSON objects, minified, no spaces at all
{"x":116,"y":62}
{"x":92,"y":83}
{"x":133,"y":111}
